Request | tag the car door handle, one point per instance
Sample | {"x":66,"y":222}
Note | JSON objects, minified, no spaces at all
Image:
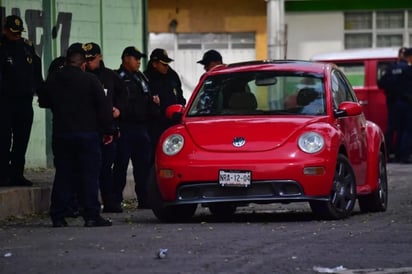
{"x":363,"y":103}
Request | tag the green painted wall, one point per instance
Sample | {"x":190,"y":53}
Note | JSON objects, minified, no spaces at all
{"x":53,"y":25}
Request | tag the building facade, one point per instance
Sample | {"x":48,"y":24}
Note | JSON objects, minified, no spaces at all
{"x":238,"y":29}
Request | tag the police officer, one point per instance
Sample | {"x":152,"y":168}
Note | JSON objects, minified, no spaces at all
{"x":404,"y":108}
{"x":116,"y":92}
{"x":82,"y":117}
{"x":389,"y":82}
{"x":134,"y":142}
{"x":20,"y":77}
{"x":165,"y":83}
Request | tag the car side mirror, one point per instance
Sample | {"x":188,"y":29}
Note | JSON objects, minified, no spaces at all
{"x":348,"y":109}
{"x":175,"y":112}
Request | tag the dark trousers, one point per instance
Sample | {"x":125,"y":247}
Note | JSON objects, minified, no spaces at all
{"x":134,"y":144}
{"x":16,"y":116}
{"x":77,"y":160}
{"x":106,"y":175}
{"x":405,"y":116}
{"x":393,"y":131}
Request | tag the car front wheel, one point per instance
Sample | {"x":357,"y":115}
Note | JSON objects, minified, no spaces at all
{"x":173,"y":213}
{"x":342,"y":198}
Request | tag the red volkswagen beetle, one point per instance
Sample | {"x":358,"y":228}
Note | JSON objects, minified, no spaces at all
{"x":267,"y":132}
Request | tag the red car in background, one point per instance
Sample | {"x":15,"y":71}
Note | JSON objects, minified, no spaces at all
{"x":363,"y":68}
{"x":267,"y":132}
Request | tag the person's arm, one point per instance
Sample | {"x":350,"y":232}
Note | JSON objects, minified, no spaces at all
{"x":104,"y":107}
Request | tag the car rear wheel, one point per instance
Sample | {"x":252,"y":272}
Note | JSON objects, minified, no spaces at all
{"x":343,"y":193}
{"x":223,"y":210}
{"x":377,"y":200}
{"x":174,"y":213}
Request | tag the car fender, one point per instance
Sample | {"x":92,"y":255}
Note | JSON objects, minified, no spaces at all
{"x":376,"y":144}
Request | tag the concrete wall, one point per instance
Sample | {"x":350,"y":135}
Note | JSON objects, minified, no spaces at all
{"x":313,"y":33}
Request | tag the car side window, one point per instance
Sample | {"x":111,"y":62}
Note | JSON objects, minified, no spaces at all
{"x":341,"y":89}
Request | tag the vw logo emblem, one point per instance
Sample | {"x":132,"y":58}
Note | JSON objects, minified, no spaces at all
{"x":239,"y":141}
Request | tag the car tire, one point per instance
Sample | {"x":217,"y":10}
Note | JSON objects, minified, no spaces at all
{"x":173,"y":213}
{"x":378,"y":200}
{"x":342,"y":198}
{"x":222,"y":210}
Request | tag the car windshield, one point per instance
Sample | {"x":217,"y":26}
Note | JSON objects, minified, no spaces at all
{"x":260,"y":93}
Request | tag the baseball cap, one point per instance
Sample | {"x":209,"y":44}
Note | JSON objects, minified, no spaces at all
{"x":132,"y":51}
{"x":407,"y":52}
{"x":210,"y":56}
{"x":161,"y":56}
{"x":14,"y":23}
{"x":76,"y":48}
{"x":92,"y":49}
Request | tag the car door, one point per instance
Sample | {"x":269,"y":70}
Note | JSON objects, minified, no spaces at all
{"x":353,"y":127}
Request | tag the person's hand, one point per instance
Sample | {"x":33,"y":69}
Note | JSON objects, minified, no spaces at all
{"x":107,"y":139}
{"x":156,"y":99}
{"x":116,"y":112}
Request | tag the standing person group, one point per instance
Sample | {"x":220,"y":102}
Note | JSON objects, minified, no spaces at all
{"x":397,"y":85}
{"x":102,"y":119}
{"x":20,"y":77}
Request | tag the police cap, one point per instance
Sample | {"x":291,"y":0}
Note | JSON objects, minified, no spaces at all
{"x":14,"y":24}
{"x":407,"y":52}
{"x":161,"y":56}
{"x":132,"y":51}
{"x":210,"y":56}
{"x":92,"y":50}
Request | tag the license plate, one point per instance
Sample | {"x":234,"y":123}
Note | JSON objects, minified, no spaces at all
{"x":234,"y":178}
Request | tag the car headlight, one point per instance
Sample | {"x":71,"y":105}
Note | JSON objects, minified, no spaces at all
{"x":173,"y":144}
{"x":311,"y":142}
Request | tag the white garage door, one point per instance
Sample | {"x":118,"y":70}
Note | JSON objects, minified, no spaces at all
{"x":187,"y":49}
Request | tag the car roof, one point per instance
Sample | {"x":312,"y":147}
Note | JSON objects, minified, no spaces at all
{"x":356,"y":54}
{"x":271,"y":65}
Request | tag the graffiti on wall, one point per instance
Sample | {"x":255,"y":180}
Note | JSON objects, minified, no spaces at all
{"x":35,"y":21}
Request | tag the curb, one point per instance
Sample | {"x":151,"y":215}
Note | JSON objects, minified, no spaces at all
{"x":23,"y":200}
{"x":18,"y":201}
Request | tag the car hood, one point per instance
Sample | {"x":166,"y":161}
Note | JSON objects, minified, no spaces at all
{"x":245,"y":134}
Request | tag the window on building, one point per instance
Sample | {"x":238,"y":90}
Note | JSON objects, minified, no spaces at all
{"x":203,"y":41}
{"x":215,"y":40}
{"x":376,"y":29}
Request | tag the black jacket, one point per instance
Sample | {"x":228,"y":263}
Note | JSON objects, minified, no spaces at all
{"x":113,"y":85}
{"x":77,"y":101}
{"x":20,"y":69}
{"x":139,"y":107}
{"x":391,"y":81}
{"x":167,"y":86}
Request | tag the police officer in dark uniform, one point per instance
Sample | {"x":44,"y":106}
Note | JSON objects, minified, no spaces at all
{"x":389,"y":82}
{"x":116,"y":92}
{"x":134,"y":142}
{"x":404,"y":108}
{"x":165,"y":83}
{"x":82,"y":117}
{"x":20,"y":77}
